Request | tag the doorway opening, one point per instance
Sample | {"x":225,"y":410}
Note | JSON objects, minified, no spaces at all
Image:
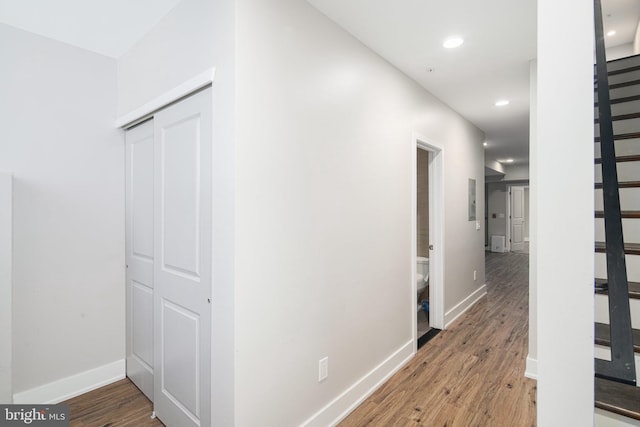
{"x":507,"y":216}
{"x":427,"y":240}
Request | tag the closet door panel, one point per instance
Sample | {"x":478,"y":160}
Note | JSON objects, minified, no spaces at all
{"x":180,"y":197}
{"x":182,"y":272}
{"x":139,"y":193}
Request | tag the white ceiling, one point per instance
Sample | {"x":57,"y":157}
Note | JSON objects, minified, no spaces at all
{"x":108,"y":27}
{"x":621,"y":16}
{"x":493,"y":62}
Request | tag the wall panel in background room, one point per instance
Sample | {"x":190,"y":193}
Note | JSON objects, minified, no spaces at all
{"x":6,"y":249}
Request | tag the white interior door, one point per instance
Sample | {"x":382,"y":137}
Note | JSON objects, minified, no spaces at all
{"x":517,"y":218}
{"x":182,"y":269}
{"x":436,"y":233}
{"x":139,"y":255}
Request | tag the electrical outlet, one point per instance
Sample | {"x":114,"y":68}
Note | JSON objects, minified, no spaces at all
{"x":323,"y":369}
{"x":475,"y":274}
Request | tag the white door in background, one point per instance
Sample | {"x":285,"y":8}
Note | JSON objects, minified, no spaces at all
{"x":517,"y":218}
{"x":139,"y":255}
{"x":182,"y":268}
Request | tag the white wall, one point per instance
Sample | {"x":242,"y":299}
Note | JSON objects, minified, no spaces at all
{"x":6,"y":245}
{"x":179,"y":47}
{"x":564,"y":206}
{"x":517,"y":172}
{"x":59,"y":106}
{"x":495,"y":166}
{"x":224,"y":177}
{"x":620,"y":51}
{"x":324,"y":212}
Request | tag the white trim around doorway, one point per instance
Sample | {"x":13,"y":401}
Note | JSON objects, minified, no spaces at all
{"x":436,"y":231}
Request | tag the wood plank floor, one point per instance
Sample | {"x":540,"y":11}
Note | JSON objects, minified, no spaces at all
{"x":118,"y":404}
{"x":471,"y":374}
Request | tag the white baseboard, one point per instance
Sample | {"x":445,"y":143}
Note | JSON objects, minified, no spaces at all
{"x":336,"y":410}
{"x":531,"y":371}
{"x":72,"y":386}
{"x":464,"y":305}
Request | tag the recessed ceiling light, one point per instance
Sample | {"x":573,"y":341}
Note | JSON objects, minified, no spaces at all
{"x":502,"y":102}
{"x":453,"y":42}
{"x":507,"y":161}
{"x":485,"y":143}
{"x":611,"y":33}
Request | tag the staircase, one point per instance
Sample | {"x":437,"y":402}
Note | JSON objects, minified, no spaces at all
{"x":617,"y":246}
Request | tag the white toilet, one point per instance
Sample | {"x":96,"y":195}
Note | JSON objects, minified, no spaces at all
{"x":422,"y":274}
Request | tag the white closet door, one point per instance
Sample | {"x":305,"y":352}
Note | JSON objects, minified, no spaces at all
{"x":139,"y":160}
{"x":182,"y":271}
{"x":517,"y":218}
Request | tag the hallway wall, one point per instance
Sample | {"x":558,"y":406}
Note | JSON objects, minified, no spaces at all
{"x":323,"y":256}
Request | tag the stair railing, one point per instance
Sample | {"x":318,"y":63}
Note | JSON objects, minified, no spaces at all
{"x":621,"y":368}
